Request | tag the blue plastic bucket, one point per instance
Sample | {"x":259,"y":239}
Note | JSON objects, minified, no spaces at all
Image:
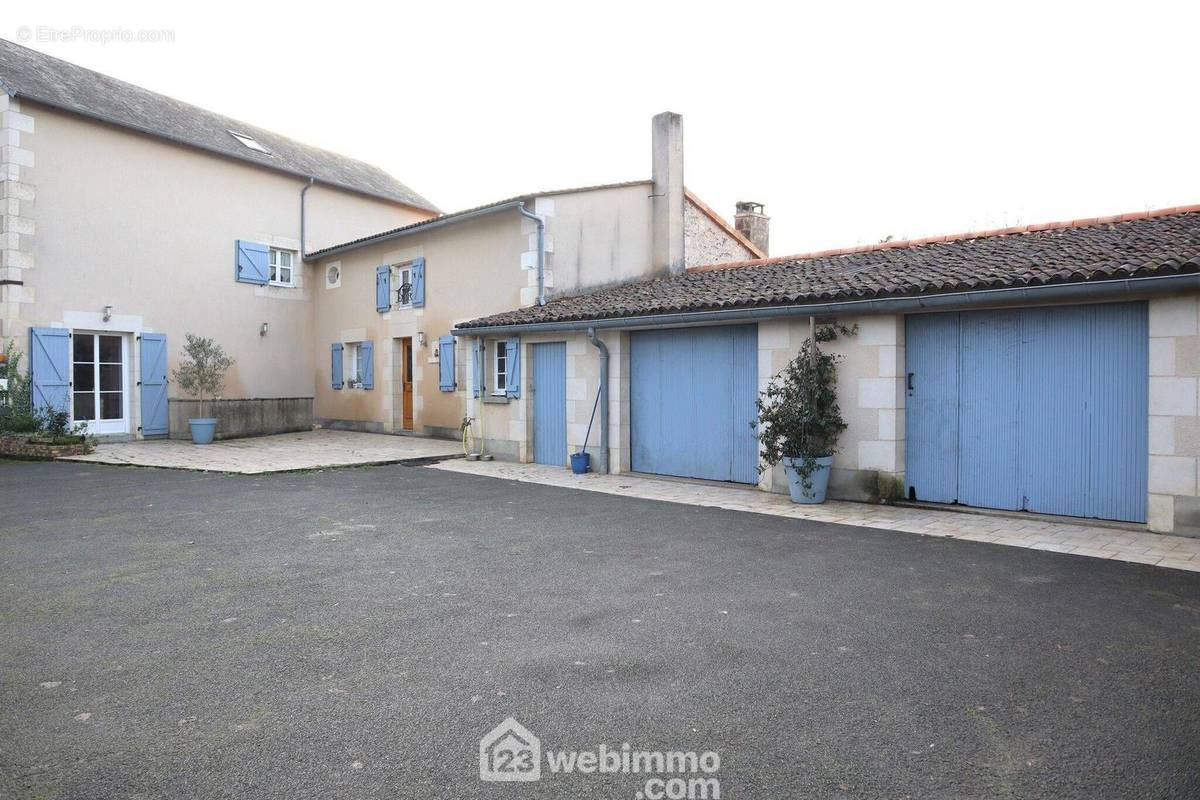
{"x":580,"y":462}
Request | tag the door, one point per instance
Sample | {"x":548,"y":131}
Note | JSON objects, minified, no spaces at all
{"x":99,"y":381}
{"x":1041,"y":409}
{"x":154,"y":384}
{"x":406,"y":382}
{"x":550,"y":403}
{"x":692,"y":399}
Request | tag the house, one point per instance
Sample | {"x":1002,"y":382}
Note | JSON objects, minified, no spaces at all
{"x":1048,"y":368}
{"x":130,"y":218}
{"x":384,"y":320}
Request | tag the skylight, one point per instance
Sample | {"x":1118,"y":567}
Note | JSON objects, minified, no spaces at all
{"x":249,"y":141}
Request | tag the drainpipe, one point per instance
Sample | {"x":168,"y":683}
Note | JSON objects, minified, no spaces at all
{"x":603,"y":395}
{"x":541,"y":251}
{"x":307,"y":186}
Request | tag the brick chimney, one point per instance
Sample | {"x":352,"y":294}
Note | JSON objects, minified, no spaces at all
{"x":667,"y":193}
{"x":752,"y":223}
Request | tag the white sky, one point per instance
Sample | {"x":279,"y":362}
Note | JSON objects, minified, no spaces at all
{"x":850,"y":121}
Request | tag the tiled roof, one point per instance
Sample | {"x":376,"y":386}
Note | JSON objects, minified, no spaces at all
{"x":1133,"y":245}
{"x":67,"y":86}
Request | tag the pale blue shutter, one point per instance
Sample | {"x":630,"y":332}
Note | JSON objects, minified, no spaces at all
{"x":446,"y":364}
{"x":251,"y":262}
{"x":512,"y":362}
{"x":418,"y":282}
{"x":383,"y":289}
{"x":154,"y":384}
{"x":366,"y":357}
{"x":478,"y":368}
{"x":50,"y":368}
{"x":336,"y":364}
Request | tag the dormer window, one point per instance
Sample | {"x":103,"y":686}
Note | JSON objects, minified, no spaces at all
{"x":249,"y":141}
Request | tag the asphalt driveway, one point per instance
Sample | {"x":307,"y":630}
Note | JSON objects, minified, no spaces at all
{"x":353,"y":633}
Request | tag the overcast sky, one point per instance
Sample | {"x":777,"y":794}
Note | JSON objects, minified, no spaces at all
{"x":851,"y":122}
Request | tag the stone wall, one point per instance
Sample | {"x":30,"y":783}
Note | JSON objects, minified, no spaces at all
{"x":20,"y":446}
{"x":706,"y":242}
{"x":16,"y":215}
{"x":241,"y":418}
{"x":1174,"y":415}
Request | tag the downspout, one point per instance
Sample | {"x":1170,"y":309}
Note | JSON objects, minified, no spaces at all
{"x":602,"y":395}
{"x":307,"y":186}
{"x":541,"y":252}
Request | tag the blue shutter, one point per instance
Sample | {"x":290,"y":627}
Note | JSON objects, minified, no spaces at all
{"x":446,"y":364}
{"x":366,"y":357}
{"x":383,"y":289}
{"x":50,"y":368}
{"x":154,"y":384}
{"x":418,"y":282}
{"x":477,"y":368}
{"x":512,"y":361}
{"x":336,"y":365}
{"x":251,"y":264}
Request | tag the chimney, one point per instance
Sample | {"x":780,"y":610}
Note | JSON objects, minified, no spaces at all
{"x":667,"y":194}
{"x":752,"y":223}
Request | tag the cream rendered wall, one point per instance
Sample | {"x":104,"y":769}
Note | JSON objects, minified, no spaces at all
{"x":599,"y":237}
{"x":149,"y":228}
{"x":472,"y":268}
{"x":1174,"y":504}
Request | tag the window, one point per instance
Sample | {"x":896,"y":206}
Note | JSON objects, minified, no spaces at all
{"x":354,"y":364}
{"x":249,"y":141}
{"x":404,"y":287}
{"x":500,"y":374}
{"x":281,"y":268}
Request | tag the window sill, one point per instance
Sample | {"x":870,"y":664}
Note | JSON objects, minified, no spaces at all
{"x":498,"y":399}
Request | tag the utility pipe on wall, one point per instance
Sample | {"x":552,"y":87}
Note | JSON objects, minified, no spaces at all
{"x":304,"y":191}
{"x":541,"y":252}
{"x":603,"y":396}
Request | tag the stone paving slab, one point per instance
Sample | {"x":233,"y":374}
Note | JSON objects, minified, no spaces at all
{"x":280,"y":453}
{"x":1176,"y":552}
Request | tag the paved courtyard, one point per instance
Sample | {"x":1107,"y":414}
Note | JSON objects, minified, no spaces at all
{"x":353,"y":633}
{"x":1078,"y":538}
{"x":280,"y":453}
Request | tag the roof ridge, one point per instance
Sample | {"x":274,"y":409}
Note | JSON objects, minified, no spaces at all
{"x":903,"y":244}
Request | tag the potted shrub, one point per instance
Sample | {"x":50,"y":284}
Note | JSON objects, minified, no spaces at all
{"x":201,"y":373}
{"x":800,"y":421}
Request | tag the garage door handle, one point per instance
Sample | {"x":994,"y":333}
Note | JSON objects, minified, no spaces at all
{"x":910,"y":377}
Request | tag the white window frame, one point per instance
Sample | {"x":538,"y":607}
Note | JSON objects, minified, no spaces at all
{"x":353,"y":365}
{"x":273,"y":267}
{"x":402,"y":274}
{"x":499,"y":377}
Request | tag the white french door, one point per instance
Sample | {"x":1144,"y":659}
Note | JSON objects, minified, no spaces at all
{"x":100,"y":381}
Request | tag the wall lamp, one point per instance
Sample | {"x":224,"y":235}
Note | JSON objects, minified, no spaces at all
{"x":420,"y":338}
{"x":262,"y":330}
{"x":107,"y":313}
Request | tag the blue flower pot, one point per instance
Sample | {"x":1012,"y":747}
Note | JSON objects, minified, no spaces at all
{"x":203,"y":429}
{"x":580,"y":462}
{"x":818,"y":481}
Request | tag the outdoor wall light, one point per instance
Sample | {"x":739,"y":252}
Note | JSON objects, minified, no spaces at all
{"x":107,"y":313}
{"x":420,"y":338}
{"x":262,"y":331}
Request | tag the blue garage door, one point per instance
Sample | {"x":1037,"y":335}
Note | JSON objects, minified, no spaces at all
{"x":1041,"y":409}
{"x":692,"y":394}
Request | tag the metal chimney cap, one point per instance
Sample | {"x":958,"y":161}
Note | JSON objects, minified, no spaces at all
{"x":749,"y":206}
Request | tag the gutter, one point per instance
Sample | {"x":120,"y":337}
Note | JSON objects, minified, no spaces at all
{"x":1093,"y":290}
{"x":541,"y":252}
{"x":417,"y":227}
{"x":602,"y":394}
{"x":304,"y":191}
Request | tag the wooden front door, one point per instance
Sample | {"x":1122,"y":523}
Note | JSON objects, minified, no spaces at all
{"x":406,"y":381}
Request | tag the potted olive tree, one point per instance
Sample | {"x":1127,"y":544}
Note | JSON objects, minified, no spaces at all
{"x":800,"y":422}
{"x":201,"y":373}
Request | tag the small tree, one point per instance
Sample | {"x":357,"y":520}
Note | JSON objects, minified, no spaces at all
{"x":18,"y":400}
{"x":202,"y":371}
{"x":799,"y":414}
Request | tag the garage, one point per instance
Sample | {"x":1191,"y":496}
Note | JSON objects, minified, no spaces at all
{"x":1039,"y":409}
{"x":692,"y":398}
